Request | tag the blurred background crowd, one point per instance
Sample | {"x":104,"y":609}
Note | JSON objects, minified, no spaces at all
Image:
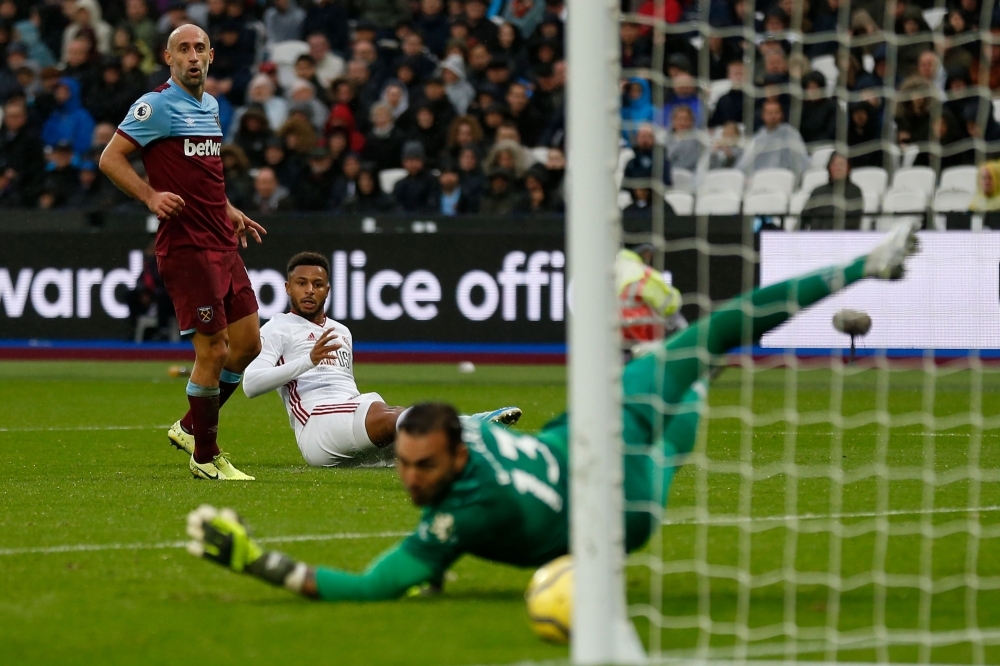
{"x":458,"y":106}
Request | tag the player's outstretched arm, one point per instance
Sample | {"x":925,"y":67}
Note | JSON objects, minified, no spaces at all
{"x":264,"y":375}
{"x":221,"y":536}
{"x":115,"y":165}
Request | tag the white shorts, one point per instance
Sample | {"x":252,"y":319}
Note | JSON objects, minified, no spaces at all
{"x":335,"y":434}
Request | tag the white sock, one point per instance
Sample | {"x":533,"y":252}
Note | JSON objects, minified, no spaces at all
{"x":402,"y":415}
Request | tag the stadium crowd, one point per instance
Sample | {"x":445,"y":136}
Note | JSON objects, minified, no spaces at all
{"x":458,"y":106}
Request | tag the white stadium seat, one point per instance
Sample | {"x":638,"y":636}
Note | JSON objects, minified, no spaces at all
{"x":682,"y":179}
{"x":909,"y":156}
{"x":717,"y":89}
{"x":541,"y":154}
{"x":795,"y":206}
{"x":920,"y":179}
{"x":772,"y":180}
{"x":717,"y":203}
{"x":827,"y":64}
{"x":959,"y":178}
{"x":934,"y":16}
{"x":284,"y":54}
{"x":814,"y":178}
{"x":872,"y":201}
{"x":765,"y":203}
{"x":723,"y":180}
{"x":624,"y":199}
{"x":388,"y":178}
{"x":902,"y":201}
{"x":681,"y":202}
{"x":952,"y":201}
{"x":871,"y":179}
{"x":820,"y":157}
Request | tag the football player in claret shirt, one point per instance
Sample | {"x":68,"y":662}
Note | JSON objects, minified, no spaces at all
{"x":177,"y":131}
{"x":504,"y":496}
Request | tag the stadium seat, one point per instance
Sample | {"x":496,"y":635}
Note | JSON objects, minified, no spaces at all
{"x":996,"y":110}
{"x":772,"y":180}
{"x":388,"y":178}
{"x":284,"y":54}
{"x":716,"y":90}
{"x":795,"y":206}
{"x":765,"y":203}
{"x":909,"y":156}
{"x":683,"y":180}
{"x":921,"y":179}
{"x":681,"y":202}
{"x":723,"y":180}
{"x":540,"y":154}
{"x":827,"y":64}
{"x":902,"y":201}
{"x":934,"y":16}
{"x":959,"y":178}
{"x":624,"y":156}
{"x":872,"y":201}
{"x":952,"y":201}
{"x":814,"y":178}
{"x":820,"y":157}
{"x":717,"y":203}
{"x":871,"y":179}
{"x":624,"y":199}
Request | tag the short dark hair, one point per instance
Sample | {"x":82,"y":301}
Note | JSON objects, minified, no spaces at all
{"x":429,"y":417}
{"x":308,"y":259}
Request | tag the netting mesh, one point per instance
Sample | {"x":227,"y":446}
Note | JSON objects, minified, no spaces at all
{"x":829,"y":510}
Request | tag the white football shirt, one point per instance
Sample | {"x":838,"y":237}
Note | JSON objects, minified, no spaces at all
{"x":284,"y":364}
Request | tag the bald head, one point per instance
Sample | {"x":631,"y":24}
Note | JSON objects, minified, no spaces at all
{"x":188,"y":55}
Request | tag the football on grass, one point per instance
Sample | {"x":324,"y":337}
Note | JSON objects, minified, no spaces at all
{"x":550,"y":600}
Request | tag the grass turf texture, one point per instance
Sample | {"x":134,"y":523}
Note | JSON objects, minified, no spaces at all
{"x":72,"y":486}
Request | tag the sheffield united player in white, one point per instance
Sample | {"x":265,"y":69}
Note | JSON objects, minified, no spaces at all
{"x":176,"y":128}
{"x":309,"y":359}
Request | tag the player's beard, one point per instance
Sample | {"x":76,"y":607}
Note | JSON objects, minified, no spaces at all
{"x":314,"y":312}
{"x":194,"y":85}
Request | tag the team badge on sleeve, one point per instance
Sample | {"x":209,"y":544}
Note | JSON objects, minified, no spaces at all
{"x":142,"y":111}
{"x":206,"y":314}
{"x":442,"y":526}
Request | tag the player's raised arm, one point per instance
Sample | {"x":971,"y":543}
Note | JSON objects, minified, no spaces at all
{"x":221,"y":536}
{"x":116,"y":166}
{"x":265,"y":374}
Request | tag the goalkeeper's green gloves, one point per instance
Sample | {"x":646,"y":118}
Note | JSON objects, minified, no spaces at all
{"x":223,"y":538}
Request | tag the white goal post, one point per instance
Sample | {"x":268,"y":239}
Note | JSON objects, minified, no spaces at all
{"x":602,"y":632}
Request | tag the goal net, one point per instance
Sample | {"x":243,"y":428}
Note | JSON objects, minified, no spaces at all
{"x":830,"y":510}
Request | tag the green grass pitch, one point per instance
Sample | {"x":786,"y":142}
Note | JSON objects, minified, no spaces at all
{"x":90,"y":517}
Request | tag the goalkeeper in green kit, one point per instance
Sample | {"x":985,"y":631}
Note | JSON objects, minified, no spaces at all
{"x":503,"y":496}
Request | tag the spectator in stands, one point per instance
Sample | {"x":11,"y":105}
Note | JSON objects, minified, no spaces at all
{"x":261,"y":93}
{"x":448,"y":199}
{"x":386,"y":14}
{"x":433,"y":25}
{"x":85,"y":17}
{"x":727,"y":149}
{"x":684,"y":144}
{"x":863,"y":136}
{"x":385,"y":141}
{"x":62,"y":178}
{"x":501,"y":197}
{"x":328,"y":65}
{"x":472,"y":180}
{"x":434,"y":94}
{"x":776,"y":145}
{"x":88,"y":195}
{"x":930,"y":70}
{"x":640,"y":167}
{"x":465,"y":131}
{"x":459,"y":91}
{"x":481,"y":28}
{"x":415,"y":54}
{"x":987,"y":199}
{"x":913,"y":117}
{"x":396,"y":96}
{"x":429,"y":133}
{"x":510,"y":155}
{"x":555,"y":164}
{"x":911,"y":24}
{"x":537,"y":198}
{"x":236,"y":167}
{"x":252,"y":134}
{"x":302,"y":99}
{"x":685,"y":93}
{"x":69,"y":120}
{"x":721,"y":53}
{"x":37,"y":52}
{"x":9,"y":197}
{"x":341,"y":117}
{"x":286,"y":164}
{"x":329,"y":17}
{"x":149,"y":290}
{"x":511,"y":50}
{"x":990,"y":132}
{"x":345,"y":187}
{"x":313,"y":191}
{"x":636,"y":50}
{"x":369,"y":198}
{"x":413,"y":193}
{"x":529,"y":121}
{"x":636,"y":107}
{"x":838,"y":204}
{"x":22,"y":154}
{"x":269,"y":195}
{"x":283,"y":21}
{"x":729,"y":108}
{"x":525,"y":15}
{"x":819,"y":112}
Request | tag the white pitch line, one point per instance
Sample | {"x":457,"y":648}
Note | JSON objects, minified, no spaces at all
{"x":849,"y":432}
{"x":736,"y":520}
{"x":84,"y":428}
{"x":94,"y":547}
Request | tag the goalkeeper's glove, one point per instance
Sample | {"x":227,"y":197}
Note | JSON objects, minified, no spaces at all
{"x":223,"y":538}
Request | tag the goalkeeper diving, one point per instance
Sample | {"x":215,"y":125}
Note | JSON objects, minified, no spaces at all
{"x":503,"y":496}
